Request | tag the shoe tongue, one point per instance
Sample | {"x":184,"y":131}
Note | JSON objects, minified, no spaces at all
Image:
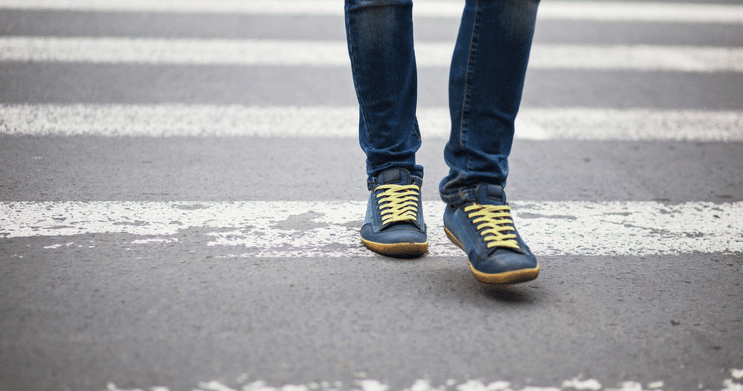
{"x":490,"y":195}
{"x":394,"y":176}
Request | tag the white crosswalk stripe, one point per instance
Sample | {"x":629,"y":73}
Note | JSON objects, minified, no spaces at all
{"x":268,"y":229}
{"x":284,"y":121}
{"x":335,"y":54}
{"x":552,"y":10}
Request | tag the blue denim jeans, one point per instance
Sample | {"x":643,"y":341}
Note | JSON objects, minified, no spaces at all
{"x":485,"y":84}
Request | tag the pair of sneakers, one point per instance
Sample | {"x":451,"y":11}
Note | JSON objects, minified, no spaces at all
{"x":484,"y":229}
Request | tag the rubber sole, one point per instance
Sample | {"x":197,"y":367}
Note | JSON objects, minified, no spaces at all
{"x":401,"y":250}
{"x":498,"y":279}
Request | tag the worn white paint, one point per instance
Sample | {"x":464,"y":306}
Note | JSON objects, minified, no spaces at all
{"x":174,"y":51}
{"x":552,"y":10}
{"x":635,"y":11}
{"x":730,"y":385}
{"x":335,"y":53}
{"x":578,"y":384}
{"x":217,"y":386}
{"x":629,"y":386}
{"x":324,"y":121}
{"x":424,"y":385}
{"x":330,"y":229}
{"x":476,"y":385}
{"x":637,"y":57}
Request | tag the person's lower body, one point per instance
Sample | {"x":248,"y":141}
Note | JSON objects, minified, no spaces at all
{"x":486,"y":80}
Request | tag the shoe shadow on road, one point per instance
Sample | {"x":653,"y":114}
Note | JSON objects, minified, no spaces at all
{"x":514,"y":294}
{"x":447,"y":278}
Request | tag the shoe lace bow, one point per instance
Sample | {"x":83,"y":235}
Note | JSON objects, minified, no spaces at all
{"x":495,"y":224}
{"x":398,"y":203}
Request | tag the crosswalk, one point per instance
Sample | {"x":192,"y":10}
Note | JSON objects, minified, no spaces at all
{"x":36,"y":112}
{"x":534,"y":123}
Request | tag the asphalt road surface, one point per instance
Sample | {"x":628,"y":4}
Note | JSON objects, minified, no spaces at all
{"x":181,"y":191}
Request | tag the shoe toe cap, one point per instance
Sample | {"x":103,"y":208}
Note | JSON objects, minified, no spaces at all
{"x":504,"y":261}
{"x":394,"y":234}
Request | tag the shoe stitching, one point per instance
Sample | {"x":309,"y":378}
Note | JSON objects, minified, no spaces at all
{"x":495,"y":224}
{"x":398,"y":203}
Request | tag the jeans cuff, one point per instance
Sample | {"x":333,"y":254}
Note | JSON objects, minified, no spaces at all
{"x":462,"y":196}
{"x":371,"y":182}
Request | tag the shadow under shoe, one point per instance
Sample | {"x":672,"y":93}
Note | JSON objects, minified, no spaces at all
{"x":394,"y":223}
{"x":485,"y":231}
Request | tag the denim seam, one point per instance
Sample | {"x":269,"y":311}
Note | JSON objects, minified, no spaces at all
{"x":463,"y":124}
{"x":351,"y":47}
{"x":471,"y":57}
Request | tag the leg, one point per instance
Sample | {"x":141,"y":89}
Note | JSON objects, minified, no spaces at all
{"x":485,"y":85}
{"x":486,"y":82}
{"x":380,"y":44}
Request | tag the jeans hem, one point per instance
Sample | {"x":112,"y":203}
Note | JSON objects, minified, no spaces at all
{"x":462,"y":196}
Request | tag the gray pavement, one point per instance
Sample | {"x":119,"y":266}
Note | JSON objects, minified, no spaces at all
{"x":311,"y":86}
{"x":96,"y":311}
{"x":254,"y":168}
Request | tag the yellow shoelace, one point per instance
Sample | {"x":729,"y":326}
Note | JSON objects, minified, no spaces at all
{"x":494,"y":223}
{"x":398,"y":203}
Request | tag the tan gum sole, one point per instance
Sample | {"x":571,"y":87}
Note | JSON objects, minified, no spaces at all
{"x":507,"y":278}
{"x":397,"y":249}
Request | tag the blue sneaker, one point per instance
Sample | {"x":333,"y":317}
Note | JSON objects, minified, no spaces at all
{"x":394,"y":216}
{"x":485,"y":231}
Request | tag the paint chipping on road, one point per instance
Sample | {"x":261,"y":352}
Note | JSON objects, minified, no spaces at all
{"x":181,"y":120}
{"x":425,"y":385}
{"x":155,"y":240}
{"x":330,"y":229}
{"x":247,"y":52}
{"x":730,"y":385}
{"x":590,"y":384}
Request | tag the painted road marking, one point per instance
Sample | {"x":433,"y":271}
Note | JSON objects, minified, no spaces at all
{"x":553,"y":10}
{"x":425,"y":385}
{"x":325,"y":121}
{"x":333,"y":53}
{"x":330,"y":229}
